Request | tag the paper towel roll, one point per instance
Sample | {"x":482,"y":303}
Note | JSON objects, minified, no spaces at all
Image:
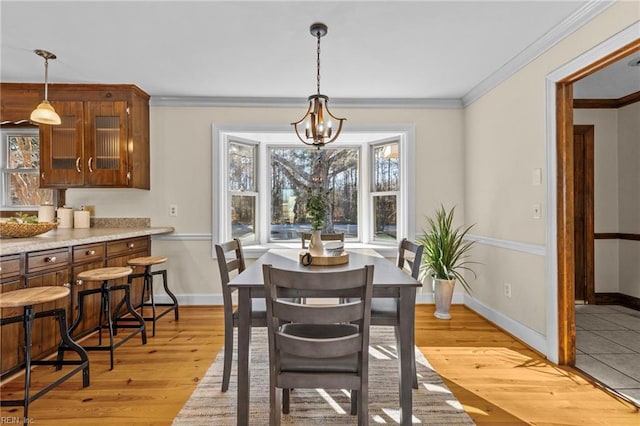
{"x":81,"y":219}
{"x":65,"y":217}
{"x":46,"y":213}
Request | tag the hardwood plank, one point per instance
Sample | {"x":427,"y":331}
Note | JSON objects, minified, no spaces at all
{"x":498,"y":379}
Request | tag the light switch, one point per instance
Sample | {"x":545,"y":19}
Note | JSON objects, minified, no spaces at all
{"x":536,"y":177}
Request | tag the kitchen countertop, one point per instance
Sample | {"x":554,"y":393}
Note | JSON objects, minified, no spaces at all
{"x":72,"y":237}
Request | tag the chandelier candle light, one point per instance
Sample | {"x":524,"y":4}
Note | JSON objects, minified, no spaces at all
{"x":44,"y":112}
{"x":317,"y":120}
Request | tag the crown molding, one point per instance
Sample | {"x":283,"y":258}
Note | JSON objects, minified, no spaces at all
{"x":247,"y":102}
{"x":571,"y":24}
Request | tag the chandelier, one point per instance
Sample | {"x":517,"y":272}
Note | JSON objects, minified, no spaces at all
{"x":317,"y":121}
{"x":44,"y":112}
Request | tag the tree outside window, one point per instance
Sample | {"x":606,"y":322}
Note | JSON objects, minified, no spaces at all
{"x":20,"y":169}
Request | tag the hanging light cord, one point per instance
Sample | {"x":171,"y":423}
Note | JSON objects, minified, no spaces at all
{"x":46,"y":78}
{"x":318,"y":35}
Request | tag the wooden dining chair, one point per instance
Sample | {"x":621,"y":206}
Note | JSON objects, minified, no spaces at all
{"x":318,"y":346}
{"x":258,"y":309}
{"x":306,"y":236}
{"x":384,"y":311}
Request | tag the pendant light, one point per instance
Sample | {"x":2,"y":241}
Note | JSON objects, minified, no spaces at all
{"x":44,"y":113}
{"x":317,"y":121}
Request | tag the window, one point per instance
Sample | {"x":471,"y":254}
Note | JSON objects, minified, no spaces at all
{"x":20,"y":169}
{"x":262,"y":179}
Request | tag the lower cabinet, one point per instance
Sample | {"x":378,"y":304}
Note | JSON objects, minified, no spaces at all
{"x":11,"y":335}
{"x":86,"y":257}
{"x":119,"y":253}
{"x":47,"y":268}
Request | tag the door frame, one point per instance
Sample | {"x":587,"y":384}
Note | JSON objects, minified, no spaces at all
{"x":560,"y":171}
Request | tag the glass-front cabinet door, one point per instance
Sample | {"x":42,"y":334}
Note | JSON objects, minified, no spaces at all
{"x":106,"y":145}
{"x":61,"y":148}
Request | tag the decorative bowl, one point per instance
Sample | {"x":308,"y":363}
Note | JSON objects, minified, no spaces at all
{"x":25,"y":230}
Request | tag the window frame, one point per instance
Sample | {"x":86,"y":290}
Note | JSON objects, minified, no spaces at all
{"x":363,"y":136}
{"x":5,"y":171}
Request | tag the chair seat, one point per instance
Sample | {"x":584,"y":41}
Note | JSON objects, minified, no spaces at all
{"x":344,"y":364}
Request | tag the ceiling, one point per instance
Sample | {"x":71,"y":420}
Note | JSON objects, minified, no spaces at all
{"x":240,"y":49}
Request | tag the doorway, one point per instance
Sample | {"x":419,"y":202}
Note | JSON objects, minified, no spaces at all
{"x":566,"y":201}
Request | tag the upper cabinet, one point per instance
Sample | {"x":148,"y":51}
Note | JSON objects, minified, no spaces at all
{"x":103,"y":140}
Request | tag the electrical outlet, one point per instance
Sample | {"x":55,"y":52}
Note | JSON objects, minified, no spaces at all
{"x":173,"y":210}
{"x":537,"y":211}
{"x":507,"y":290}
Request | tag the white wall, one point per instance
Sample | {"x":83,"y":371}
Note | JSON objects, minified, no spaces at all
{"x":606,"y":194}
{"x":505,"y":140}
{"x":181,"y":143}
{"x":629,"y":201}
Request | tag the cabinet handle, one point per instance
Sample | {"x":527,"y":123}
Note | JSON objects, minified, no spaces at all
{"x":67,"y":285}
{"x":51,"y":259}
{"x":90,"y":252}
{"x":42,"y":176}
{"x":79,"y":282}
{"x":130,"y":245}
{"x":128,"y":176}
{"x":89,"y":163}
{"x":78,"y":165}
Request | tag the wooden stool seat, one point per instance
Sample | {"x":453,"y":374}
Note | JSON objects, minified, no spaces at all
{"x":32,"y":296}
{"x":102,"y":274}
{"x":147,"y":260}
{"x":27,"y":298}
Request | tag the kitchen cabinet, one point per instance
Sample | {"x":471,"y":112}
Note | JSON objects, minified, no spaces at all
{"x":47,"y":268}
{"x":11,"y":335}
{"x":86,"y":257}
{"x":118,"y":254}
{"x":103,"y":140}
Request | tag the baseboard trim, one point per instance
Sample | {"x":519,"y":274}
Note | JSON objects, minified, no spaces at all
{"x":625,"y":300}
{"x":527,"y":335}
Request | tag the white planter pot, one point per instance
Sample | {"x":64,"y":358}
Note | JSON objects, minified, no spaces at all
{"x":443,"y":294}
{"x":316,"y":247}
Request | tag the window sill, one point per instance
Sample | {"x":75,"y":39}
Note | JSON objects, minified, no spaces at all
{"x":255,"y":251}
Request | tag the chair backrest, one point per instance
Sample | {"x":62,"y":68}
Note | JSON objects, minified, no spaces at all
{"x":306,"y":236}
{"x":357,"y":285}
{"x":411,"y":254}
{"x":229,"y":265}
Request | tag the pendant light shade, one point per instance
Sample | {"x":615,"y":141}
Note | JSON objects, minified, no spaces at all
{"x":318,"y":122}
{"x":44,"y":112}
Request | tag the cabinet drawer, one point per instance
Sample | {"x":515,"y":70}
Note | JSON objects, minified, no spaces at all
{"x":130,"y":245}
{"x":9,"y":267}
{"x":47,"y":259}
{"x":88,"y":253}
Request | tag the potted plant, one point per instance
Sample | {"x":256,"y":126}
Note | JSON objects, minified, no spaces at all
{"x":445,"y":258}
{"x":316,"y":208}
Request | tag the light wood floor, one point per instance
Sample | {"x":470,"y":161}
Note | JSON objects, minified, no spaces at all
{"x":498,"y":380}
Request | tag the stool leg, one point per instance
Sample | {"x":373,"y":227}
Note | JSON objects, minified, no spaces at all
{"x":171,"y":295}
{"x":148,"y":286}
{"x":106,"y":301}
{"x":29,"y":316}
{"x":136,"y":315}
{"x":71,"y":344}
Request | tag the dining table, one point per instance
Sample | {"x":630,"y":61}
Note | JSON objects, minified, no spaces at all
{"x":389,"y":281}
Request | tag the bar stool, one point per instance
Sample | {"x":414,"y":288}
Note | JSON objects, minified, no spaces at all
{"x":105,"y":275}
{"x":27,"y":298}
{"x":147,"y":289}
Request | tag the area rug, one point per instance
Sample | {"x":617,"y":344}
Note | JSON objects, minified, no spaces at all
{"x":433,"y":403}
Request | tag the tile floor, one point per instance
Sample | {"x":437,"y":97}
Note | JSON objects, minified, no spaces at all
{"x":608,"y":347}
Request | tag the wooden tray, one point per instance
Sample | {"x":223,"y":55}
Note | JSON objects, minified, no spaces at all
{"x":326,"y":260}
